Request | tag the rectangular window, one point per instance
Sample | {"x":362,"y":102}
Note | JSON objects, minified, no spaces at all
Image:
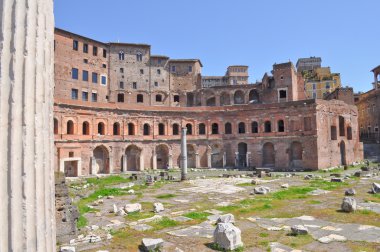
{"x":121,"y":70}
{"x":95,"y":78}
{"x":156,"y":84}
{"x":104,"y":66}
{"x":94,"y":97}
{"x":139,"y":57}
{"x":141,"y":71}
{"x":85,"y":61}
{"x":121,"y":85}
{"x":190,"y":69}
{"x":314,"y":86}
{"x":307,"y":123}
{"x":173,"y":69}
{"x":84,"y":96}
{"x":134,"y":85}
{"x":104,"y":80}
{"x":74,"y":94}
{"x":327,"y":85}
{"x":74,"y":73}
{"x":85,"y":75}
{"x":95,"y":51}
{"x":334,"y":135}
{"x":85,"y":48}
{"x":104,"y":53}
{"x":176,"y":98}
{"x":158,"y":71}
{"x":75,"y":45}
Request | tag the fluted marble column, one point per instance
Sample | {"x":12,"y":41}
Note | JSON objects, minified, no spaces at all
{"x":27,"y":212}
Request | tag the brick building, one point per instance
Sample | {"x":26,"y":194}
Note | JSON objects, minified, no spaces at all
{"x":143,"y":100}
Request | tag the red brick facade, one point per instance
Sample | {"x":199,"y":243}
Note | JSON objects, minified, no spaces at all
{"x":135,"y":124}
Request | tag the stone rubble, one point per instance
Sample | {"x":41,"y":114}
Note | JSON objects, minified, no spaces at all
{"x":350,"y":192}
{"x":130,"y":208}
{"x":158,"y":207}
{"x":375,"y":188}
{"x":348,"y":205}
{"x":261,"y":190}
{"x":149,"y":244}
{"x":226,"y":218}
{"x":227,"y":236}
{"x":299,"y":230}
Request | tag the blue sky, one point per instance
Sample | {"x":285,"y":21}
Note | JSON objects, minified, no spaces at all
{"x":248,"y":32}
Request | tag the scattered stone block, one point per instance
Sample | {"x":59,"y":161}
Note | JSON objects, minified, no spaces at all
{"x":181,"y":219}
{"x":114,"y":210}
{"x":226,"y":218}
{"x":331,"y":238}
{"x":299,"y":230}
{"x":308,"y":177}
{"x":358,"y":174}
{"x":261,"y":190}
{"x":130,"y":208}
{"x":254,"y":182}
{"x":227,"y":236}
{"x":350,"y":192}
{"x":131,"y":191}
{"x":67,"y":249}
{"x":110,"y":197}
{"x":340,"y":180}
{"x":348,"y":205}
{"x":285,"y":185}
{"x":158,"y":207}
{"x":149,"y":244}
{"x":375,"y":188}
{"x":141,"y":227}
{"x":121,"y":212}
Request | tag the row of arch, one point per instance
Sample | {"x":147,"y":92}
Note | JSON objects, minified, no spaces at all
{"x":224,"y":98}
{"x":215,"y":129}
{"x":163,"y":156}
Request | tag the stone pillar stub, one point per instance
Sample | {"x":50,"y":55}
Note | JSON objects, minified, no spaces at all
{"x":183,"y":154}
{"x":27,"y":192}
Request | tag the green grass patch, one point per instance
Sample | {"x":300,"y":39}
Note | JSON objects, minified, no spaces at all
{"x":109,"y":180}
{"x":82,"y":222}
{"x":263,"y":235}
{"x":296,"y":192}
{"x":165,"y":222}
{"x":327,"y":185}
{"x":197,"y":215}
{"x":215,"y":246}
{"x":165,"y":196}
{"x":314,"y":202}
{"x":229,"y":208}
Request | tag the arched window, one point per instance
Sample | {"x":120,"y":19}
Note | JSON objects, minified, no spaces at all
{"x":267,"y":126}
{"x":140,"y":98}
{"x":227,"y":128}
{"x":175,"y":129}
{"x":239,"y":97}
{"x":241,"y":128}
{"x":55,"y":126}
{"x":121,"y":55}
{"x":349,"y":133}
{"x":120,"y":97}
{"x":116,"y":129}
{"x":280,"y":126}
{"x":146,"y":129}
{"x":161,"y":129}
{"x":214,"y":129}
{"x":70,"y":127}
{"x":101,"y":128}
{"x":131,"y":129}
{"x":255,"y":127}
{"x":202,"y":129}
{"x":139,"y":57}
{"x":189,"y":129}
{"x":86,"y":128}
{"x":158,"y":98}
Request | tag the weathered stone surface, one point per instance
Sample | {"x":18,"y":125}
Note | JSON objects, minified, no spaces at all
{"x":350,"y":192}
{"x":375,"y":188}
{"x":67,"y":249}
{"x":261,"y":190}
{"x":152,"y":244}
{"x":158,"y":207}
{"x":340,"y":180}
{"x":226,"y":218}
{"x":121,"y":212}
{"x":348,"y":204}
{"x":130,"y":208}
{"x":141,"y":227}
{"x":227,"y":236}
{"x":299,"y":230}
{"x":27,"y":165}
{"x":285,"y":185}
{"x":67,"y":214}
{"x":114,"y":210}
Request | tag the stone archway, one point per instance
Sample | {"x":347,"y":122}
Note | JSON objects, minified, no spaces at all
{"x":101,"y":156}
{"x":253,"y":96}
{"x":242,"y":155}
{"x":239,"y":97}
{"x":225,"y":99}
{"x":191,"y":159}
{"x":216,"y":156}
{"x":342,"y":147}
{"x":133,"y":155}
{"x":268,"y":155}
{"x":295,"y":155}
{"x":162,"y":156}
